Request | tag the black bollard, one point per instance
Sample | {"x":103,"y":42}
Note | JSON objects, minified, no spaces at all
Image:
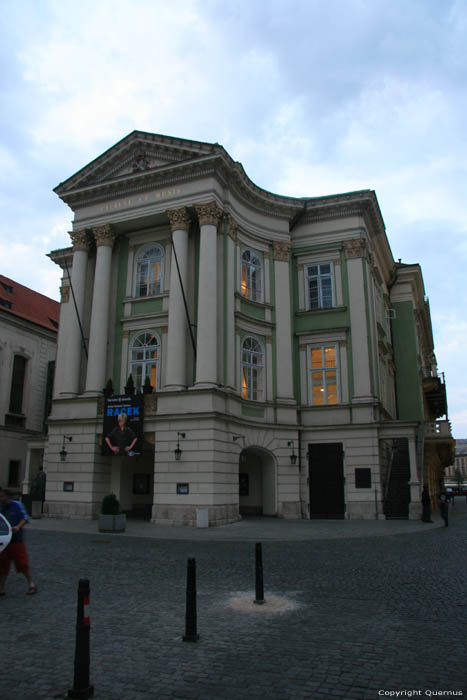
{"x":191,"y":634}
{"x":81,"y":688}
{"x":259,"y":600}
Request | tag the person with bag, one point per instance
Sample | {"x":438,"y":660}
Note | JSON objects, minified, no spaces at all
{"x":15,"y":551}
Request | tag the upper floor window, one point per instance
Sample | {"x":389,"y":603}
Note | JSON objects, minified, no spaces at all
{"x":324,"y":375}
{"x":145,"y":359}
{"x":319,"y":286}
{"x":252,"y":369}
{"x":149,"y":262}
{"x":17,"y":384}
{"x":251,"y":276}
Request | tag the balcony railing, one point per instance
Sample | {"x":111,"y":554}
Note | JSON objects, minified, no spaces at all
{"x":439,"y":429}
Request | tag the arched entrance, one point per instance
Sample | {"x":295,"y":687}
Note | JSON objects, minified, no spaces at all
{"x":257,"y":482}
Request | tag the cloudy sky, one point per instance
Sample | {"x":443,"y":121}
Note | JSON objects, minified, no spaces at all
{"x":312,"y":96}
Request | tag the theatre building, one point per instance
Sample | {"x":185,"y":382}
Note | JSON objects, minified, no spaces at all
{"x":282,"y":361}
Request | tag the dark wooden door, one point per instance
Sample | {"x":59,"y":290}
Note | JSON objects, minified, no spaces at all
{"x":326,"y":472}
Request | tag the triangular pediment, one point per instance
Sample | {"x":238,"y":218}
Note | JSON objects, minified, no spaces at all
{"x":136,"y":153}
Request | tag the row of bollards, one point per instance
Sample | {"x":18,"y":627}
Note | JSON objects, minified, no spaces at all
{"x":82,"y":689}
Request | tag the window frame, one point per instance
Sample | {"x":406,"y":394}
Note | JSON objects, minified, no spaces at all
{"x":146,"y":362}
{"x":320,"y":277}
{"x":246,"y":288}
{"x":139,"y":256}
{"x":248,"y":381}
{"x":323,"y":370}
{"x":17,"y":385}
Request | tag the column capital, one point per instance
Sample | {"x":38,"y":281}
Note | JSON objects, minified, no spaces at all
{"x":80,"y":239}
{"x":231,"y":226}
{"x":179,"y":219}
{"x":355,"y":248}
{"x":208,"y":213}
{"x":281,"y":250}
{"x":104,"y":235}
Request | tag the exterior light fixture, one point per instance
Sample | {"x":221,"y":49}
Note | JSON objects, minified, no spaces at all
{"x":63,"y":452}
{"x":293,"y":456}
{"x":178,"y":451}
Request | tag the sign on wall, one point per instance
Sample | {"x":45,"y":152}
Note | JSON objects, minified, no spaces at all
{"x":122,"y":433}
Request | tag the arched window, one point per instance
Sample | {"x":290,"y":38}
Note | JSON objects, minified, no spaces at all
{"x":252,"y":369}
{"x":251,"y":276}
{"x":145,"y":354}
{"x":149,"y":271}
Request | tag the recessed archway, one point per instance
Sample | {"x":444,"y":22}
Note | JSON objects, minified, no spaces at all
{"x":257,"y":482}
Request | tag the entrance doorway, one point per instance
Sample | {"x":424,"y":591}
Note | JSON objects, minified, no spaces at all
{"x":257,"y":483}
{"x":326,"y":480}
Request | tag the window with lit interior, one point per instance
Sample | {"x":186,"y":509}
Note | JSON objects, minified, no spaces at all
{"x":252,"y":369}
{"x":251,"y":276}
{"x":145,"y":359}
{"x":320,"y":293}
{"x":149,"y":261}
{"x":324,"y":375}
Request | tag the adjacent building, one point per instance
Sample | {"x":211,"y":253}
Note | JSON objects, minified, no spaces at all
{"x":456,"y":474}
{"x":289,"y":359}
{"x":28,"y":340}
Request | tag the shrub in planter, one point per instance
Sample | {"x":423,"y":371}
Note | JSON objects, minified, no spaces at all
{"x":147,"y":388}
{"x":130,"y":386}
{"x":110,"y":519}
{"x":108,"y":389}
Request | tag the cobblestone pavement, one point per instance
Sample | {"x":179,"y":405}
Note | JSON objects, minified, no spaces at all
{"x":344,"y":619}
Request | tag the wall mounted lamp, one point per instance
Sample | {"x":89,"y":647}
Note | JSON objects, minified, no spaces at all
{"x":63,"y":452}
{"x":178,"y":451}
{"x":293,"y":456}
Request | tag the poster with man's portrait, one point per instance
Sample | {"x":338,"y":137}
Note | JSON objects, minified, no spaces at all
{"x":122,"y":434}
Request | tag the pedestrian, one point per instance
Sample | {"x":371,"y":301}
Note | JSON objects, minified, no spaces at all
{"x":426,"y":503}
{"x":38,"y":487}
{"x":444,"y":507}
{"x":15,"y":551}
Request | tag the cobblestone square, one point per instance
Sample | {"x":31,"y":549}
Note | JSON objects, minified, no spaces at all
{"x":345,"y":617}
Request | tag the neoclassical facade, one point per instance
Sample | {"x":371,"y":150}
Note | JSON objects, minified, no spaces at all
{"x":268,"y":330}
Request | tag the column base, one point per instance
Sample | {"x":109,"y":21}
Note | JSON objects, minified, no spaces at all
{"x":204,"y":385}
{"x":175,"y":387}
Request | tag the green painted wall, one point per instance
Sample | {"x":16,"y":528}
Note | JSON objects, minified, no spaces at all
{"x":253,"y":411}
{"x":145,"y":306}
{"x":252,"y":310}
{"x":409,"y":399}
{"x":321,"y":320}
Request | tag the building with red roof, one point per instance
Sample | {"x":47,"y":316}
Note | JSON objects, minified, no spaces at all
{"x":28,"y":339}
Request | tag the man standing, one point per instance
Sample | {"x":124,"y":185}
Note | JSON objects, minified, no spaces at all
{"x":15,"y":552}
{"x":122,"y":439}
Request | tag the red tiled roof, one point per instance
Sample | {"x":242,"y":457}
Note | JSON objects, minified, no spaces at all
{"x":24,"y":302}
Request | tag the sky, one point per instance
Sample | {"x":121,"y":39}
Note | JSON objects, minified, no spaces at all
{"x":313,"y":97}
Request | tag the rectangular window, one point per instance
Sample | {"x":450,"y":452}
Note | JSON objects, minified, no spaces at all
{"x":13,"y":472}
{"x":319,"y":286}
{"x":324,"y":375}
{"x":17,"y":384}
{"x":362,"y":478}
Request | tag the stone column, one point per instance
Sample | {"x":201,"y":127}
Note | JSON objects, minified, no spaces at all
{"x":70,"y":343}
{"x":177,"y":332}
{"x":283,"y":323}
{"x":415,"y":506}
{"x":98,"y":335}
{"x":355,"y":252}
{"x":206,"y":344}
